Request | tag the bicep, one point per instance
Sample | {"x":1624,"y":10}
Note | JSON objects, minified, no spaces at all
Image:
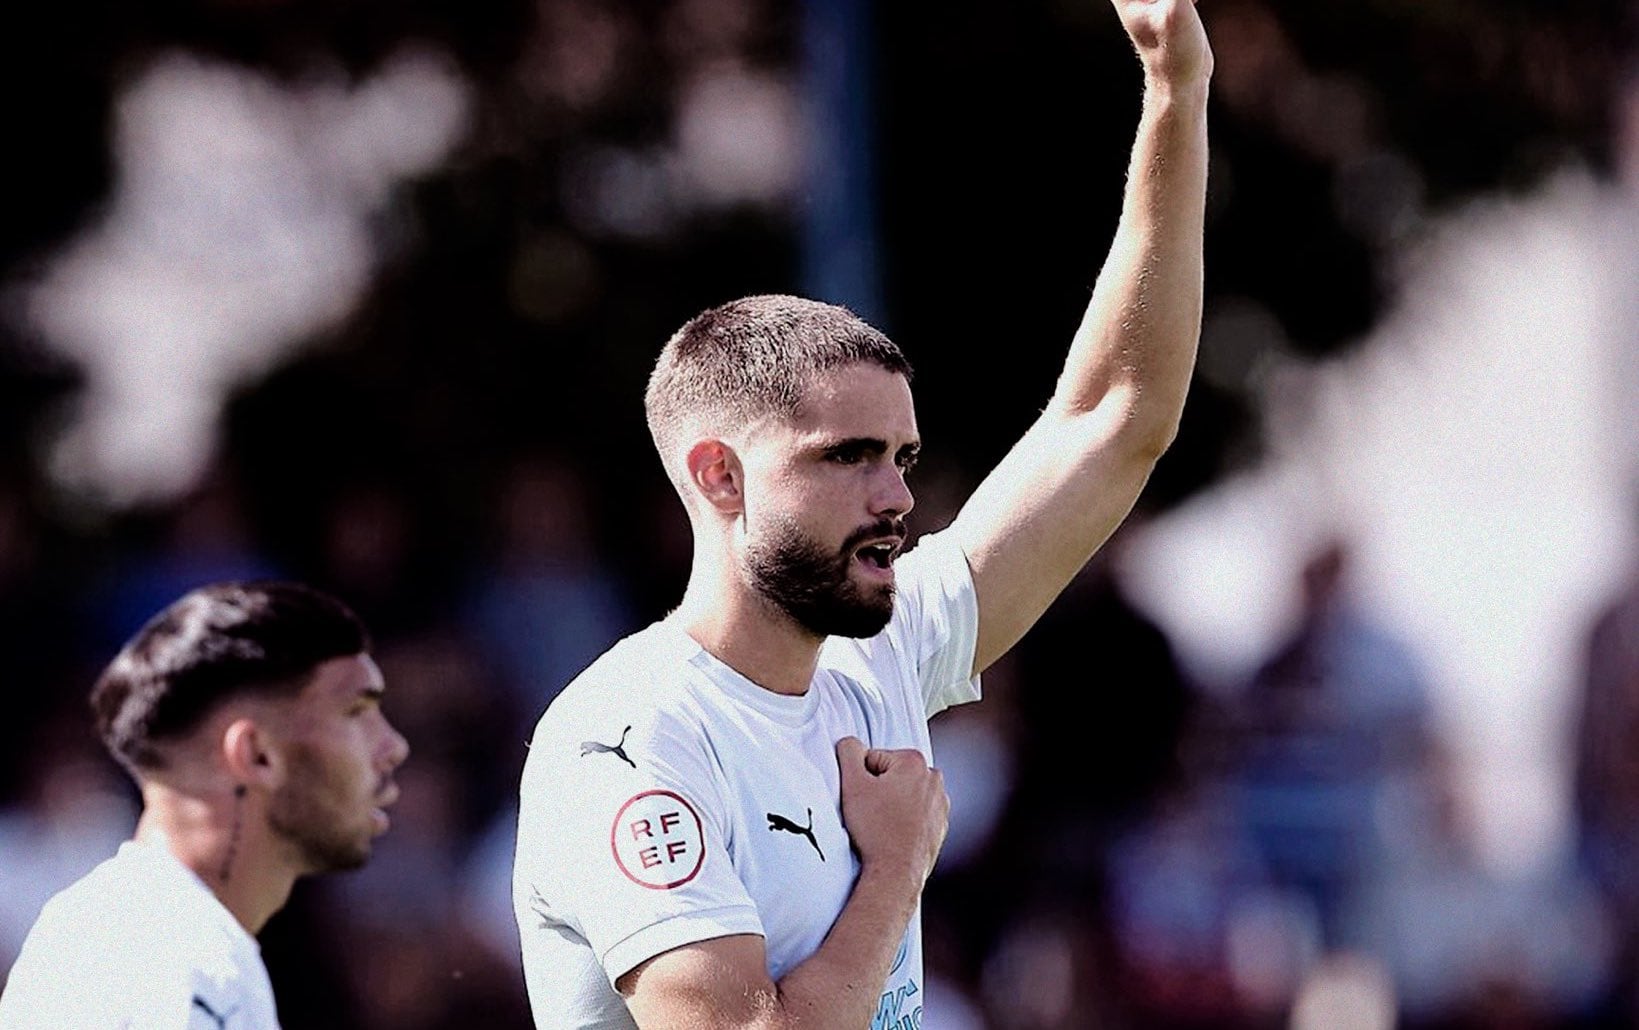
{"x":1041,"y":514}
{"x":722,"y":982}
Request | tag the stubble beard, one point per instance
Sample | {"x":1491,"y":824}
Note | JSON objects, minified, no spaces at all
{"x":813,"y":587}
{"x":301,"y":815}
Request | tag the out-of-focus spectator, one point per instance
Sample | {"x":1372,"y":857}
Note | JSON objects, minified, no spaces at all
{"x":1177,"y":881}
{"x":1463,"y":944}
{"x":1048,"y":972}
{"x":1348,"y":992}
{"x":1328,"y":718}
{"x":1099,"y":709}
{"x":546,"y":606}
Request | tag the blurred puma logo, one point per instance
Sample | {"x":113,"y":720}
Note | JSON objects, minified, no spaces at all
{"x":593,"y":747}
{"x":220,"y":1020}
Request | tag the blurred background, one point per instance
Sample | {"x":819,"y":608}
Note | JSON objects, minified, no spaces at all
{"x":1341,"y":731}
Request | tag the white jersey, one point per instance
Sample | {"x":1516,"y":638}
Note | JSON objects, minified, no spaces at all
{"x":141,"y":943}
{"x":667,"y":799}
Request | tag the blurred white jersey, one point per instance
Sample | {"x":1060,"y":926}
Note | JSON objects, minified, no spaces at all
{"x":140,"y":942}
{"x":667,"y":799}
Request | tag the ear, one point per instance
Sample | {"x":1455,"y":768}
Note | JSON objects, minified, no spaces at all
{"x":251,"y":755}
{"x":715,"y":472}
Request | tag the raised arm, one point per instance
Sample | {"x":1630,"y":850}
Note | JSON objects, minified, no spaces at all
{"x":1066,"y":485}
{"x":895,"y":809}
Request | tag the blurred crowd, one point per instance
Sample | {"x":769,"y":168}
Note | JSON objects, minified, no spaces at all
{"x":456,"y":448}
{"x":1126,"y":848}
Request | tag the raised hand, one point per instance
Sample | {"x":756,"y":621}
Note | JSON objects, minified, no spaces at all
{"x":1170,"y":38}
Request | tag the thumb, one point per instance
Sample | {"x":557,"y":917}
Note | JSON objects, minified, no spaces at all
{"x":850,"y":757}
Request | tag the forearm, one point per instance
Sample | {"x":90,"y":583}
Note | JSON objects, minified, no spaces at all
{"x":722,"y":983}
{"x":1061,"y":491}
{"x":1135,"y":348}
{"x":840,"y":986}
{"x":895,"y":809}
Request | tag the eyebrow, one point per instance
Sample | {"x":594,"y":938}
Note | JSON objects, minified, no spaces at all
{"x":373,"y":692}
{"x":868,"y":445}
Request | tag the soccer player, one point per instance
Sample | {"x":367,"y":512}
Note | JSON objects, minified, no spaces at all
{"x":727,"y":820}
{"x":250,"y":717}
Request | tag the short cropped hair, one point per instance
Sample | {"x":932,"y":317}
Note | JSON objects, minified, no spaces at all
{"x":218,"y":642}
{"x":750,"y":358}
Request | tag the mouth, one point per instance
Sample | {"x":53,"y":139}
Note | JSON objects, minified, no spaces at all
{"x":877,"y":557}
{"x":384,"y":800}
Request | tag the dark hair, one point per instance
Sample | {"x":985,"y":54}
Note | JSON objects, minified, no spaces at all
{"x":216,"y":642}
{"x":756,"y":356}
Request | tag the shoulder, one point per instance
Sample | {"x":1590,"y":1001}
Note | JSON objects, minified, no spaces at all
{"x":119,"y":893}
{"x":103,"y":944}
{"x":640,"y":681}
{"x":636,"y":707}
{"x":936,"y":563}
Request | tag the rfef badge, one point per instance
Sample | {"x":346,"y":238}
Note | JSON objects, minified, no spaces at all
{"x":658,"y":840}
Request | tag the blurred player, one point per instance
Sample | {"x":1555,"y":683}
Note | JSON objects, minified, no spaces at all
{"x":728,"y":819}
{"x":250,"y":717}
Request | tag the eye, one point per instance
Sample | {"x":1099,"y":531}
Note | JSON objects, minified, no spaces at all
{"x":906,"y":460}
{"x":848,"y":454}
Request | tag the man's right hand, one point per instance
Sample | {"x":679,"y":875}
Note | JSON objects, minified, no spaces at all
{"x":894,"y":807}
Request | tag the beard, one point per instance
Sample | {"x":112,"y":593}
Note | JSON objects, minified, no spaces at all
{"x":309,"y":815}
{"x":813,"y":586}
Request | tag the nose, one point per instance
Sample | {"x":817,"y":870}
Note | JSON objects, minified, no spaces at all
{"x":892,"y":495}
{"x":397,"y":749}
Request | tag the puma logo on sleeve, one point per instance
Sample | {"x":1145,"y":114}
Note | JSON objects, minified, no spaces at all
{"x":590,"y":747}
{"x":221,"y":1020}
{"x":780,"y":822}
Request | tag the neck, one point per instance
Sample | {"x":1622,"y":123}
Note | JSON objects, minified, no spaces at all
{"x":745,"y":631}
{"x":223,"y":838}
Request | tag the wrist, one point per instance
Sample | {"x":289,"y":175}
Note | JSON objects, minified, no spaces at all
{"x":1176,"y":92}
{"x":897,"y":874}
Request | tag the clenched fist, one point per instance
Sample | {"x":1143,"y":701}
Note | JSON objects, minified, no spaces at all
{"x":894,"y":807}
{"x":1170,"y":38}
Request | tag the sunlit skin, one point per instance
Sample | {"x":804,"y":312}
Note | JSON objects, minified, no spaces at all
{"x":844,"y":462}
{"x":833,"y":474}
{"x":1029,"y":527}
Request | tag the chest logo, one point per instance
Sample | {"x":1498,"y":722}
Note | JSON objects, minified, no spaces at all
{"x":780,"y":822}
{"x":593,"y":747}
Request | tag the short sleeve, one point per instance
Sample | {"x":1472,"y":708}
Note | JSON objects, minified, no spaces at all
{"x":635,"y":851}
{"x":936,"y":621}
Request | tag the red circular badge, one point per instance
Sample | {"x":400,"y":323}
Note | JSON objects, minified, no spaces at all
{"x":658,"y":840}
